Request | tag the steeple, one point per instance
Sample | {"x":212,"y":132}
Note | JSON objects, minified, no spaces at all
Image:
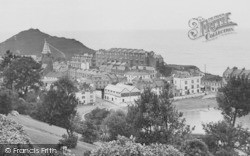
{"x":46,"y":49}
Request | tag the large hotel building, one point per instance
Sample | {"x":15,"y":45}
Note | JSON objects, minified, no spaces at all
{"x":133,"y":57}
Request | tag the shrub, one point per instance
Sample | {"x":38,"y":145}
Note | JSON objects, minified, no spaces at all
{"x":127,"y":147}
{"x":223,"y":152}
{"x":68,"y":141}
{"x":12,"y":135}
{"x":195,"y":147}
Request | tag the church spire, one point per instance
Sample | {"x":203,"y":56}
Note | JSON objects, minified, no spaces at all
{"x":46,"y":49}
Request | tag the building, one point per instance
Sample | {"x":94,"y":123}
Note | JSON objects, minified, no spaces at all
{"x":185,"y":84}
{"x":52,"y":77}
{"x":60,"y":66}
{"x":156,"y":85}
{"x":115,"y":67}
{"x":121,"y":94}
{"x":47,"y":60}
{"x":86,"y":94}
{"x":211,"y":83}
{"x":236,"y":73}
{"x":139,"y":74}
{"x":133,"y":57}
{"x":81,"y":61}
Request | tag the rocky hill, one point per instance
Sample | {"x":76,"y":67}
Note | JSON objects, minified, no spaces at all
{"x":30,"y":42}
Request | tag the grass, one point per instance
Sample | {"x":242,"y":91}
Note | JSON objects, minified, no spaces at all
{"x":42,"y":133}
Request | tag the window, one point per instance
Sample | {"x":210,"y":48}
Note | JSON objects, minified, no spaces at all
{"x":198,"y":80}
{"x":192,"y":86}
{"x":186,"y":87}
{"x":186,"y":82}
{"x":192,"y":81}
{"x":198,"y":86}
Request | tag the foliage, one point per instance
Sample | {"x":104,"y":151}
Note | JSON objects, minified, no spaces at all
{"x":7,"y":59}
{"x":223,"y":136}
{"x":68,"y":141}
{"x":195,"y":147}
{"x":127,"y":147}
{"x":6,"y":101}
{"x":154,"y":119}
{"x":59,"y":105}
{"x":163,"y":69}
{"x":12,"y":134}
{"x":23,"y":75}
{"x":89,"y":132}
{"x":115,"y":123}
{"x":223,"y":152}
{"x":234,"y":99}
{"x":97,"y":115}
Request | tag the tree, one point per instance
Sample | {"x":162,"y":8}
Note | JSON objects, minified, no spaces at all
{"x":97,"y":115}
{"x":89,"y":132}
{"x":60,"y":105}
{"x":224,"y":136}
{"x":23,"y":74}
{"x":234,"y":99}
{"x":6,"y":101}
{"x":154,"y":119}
{"x":116,"y":124}
{"x":7,"y":59}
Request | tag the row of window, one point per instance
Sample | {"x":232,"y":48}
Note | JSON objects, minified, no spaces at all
{"x":192,"y":87}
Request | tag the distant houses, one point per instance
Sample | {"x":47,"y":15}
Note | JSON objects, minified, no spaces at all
{"x":211,"y":83}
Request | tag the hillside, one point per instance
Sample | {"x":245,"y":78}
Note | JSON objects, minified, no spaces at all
{"x":30,"y":42}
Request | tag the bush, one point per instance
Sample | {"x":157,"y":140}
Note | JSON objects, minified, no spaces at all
{"x":12,"y":135}
{"x":223,"y":152}
{"x":68,"y":141}
{"x":195,"y":147}
{"x":127,"y":147}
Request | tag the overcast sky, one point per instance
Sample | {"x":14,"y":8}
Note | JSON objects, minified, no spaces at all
{"x":82,"y":15}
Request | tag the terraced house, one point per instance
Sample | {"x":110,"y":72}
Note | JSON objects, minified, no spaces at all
{"x":133,"y":57}
{"x":235,"y":72}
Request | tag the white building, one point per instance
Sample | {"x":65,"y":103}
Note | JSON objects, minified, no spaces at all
{"x":188,"y":84}
{"x":86,"y":94}
{"x":121,"y":93}
{"x":139,"y":75}
{"x":86,"y":97}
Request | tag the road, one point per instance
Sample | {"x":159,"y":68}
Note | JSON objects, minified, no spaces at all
{"x":85,"y":109}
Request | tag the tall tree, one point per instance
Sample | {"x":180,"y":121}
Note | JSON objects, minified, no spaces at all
{"x":60,"y":105}
{"x":234,"y":99}
{"x":223,"y":136}
{"x":116,"y":125}
{"x":23,"y":74}
{"x":154,"y":119}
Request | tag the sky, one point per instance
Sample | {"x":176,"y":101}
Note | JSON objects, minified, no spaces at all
{"x":84,"y":15}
